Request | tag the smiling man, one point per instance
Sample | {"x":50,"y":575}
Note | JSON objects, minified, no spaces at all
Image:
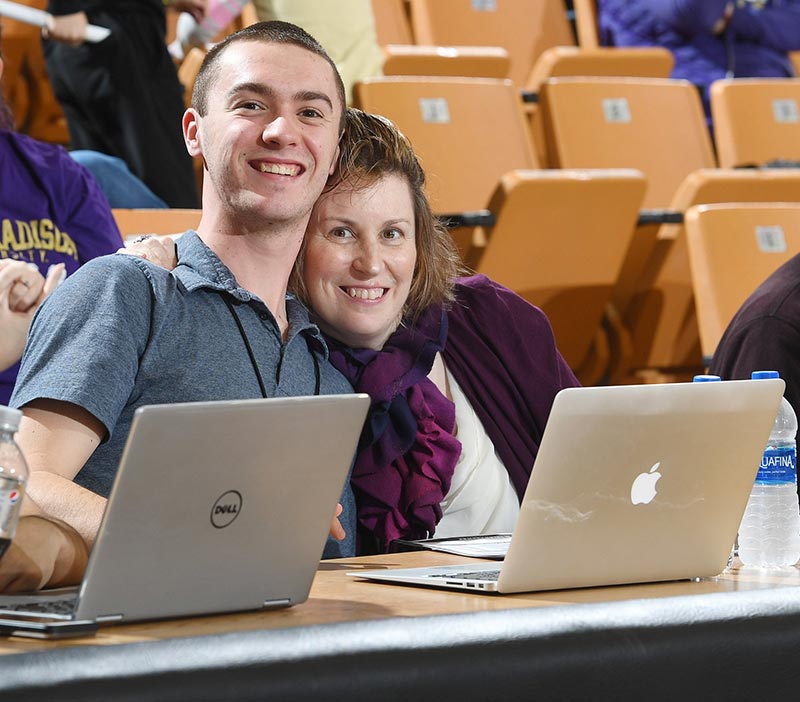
{"x":266,"y":118}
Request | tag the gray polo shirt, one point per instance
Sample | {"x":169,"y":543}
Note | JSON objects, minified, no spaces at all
{"x":121,"y":333}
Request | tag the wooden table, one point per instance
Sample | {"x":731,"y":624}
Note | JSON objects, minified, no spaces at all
{"x":691,"y":640}
{"x":336,"y":597}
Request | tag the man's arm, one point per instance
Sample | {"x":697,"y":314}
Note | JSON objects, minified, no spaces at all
{"x":57,"y":438}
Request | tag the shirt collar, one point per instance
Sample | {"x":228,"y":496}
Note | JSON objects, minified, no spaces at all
{"x":199,"y":267}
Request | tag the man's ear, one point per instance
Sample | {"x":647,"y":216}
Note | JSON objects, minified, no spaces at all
{"x":191,"y":132}
{"x":335,"y":161}
{"x":1,"y":67}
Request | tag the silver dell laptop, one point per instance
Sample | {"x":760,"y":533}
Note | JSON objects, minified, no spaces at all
{"x":631,"y":484}
{"x":216,"y":507}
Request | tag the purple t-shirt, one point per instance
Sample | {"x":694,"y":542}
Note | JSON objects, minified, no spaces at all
{"x":51,"y":211}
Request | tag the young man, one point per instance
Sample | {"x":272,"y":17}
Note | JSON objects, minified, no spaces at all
{"x":266,"y":118}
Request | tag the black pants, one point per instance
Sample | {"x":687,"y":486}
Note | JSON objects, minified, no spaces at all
{"x":122,"y":97}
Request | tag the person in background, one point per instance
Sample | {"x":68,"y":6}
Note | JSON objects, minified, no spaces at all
{"x":710,"y":39}
{"x":54,"y":217}
{"x":122,"y":96}
{"x":191,"y":33}
{"x":119,"y":185}
{"x":346,"y":29}
{"x":765,"y":333}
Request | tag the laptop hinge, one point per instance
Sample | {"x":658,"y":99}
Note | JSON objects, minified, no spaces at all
{"x":272,"y":604}
{"x":109,"y":618}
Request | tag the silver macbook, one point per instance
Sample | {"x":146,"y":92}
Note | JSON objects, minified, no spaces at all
{"x":216,"y":507}
{"x":631,"y":484}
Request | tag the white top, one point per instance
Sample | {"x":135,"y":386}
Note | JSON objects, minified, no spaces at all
{"x":482,"y":499}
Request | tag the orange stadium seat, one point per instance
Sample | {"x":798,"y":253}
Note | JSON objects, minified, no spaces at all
{"x":467,"y":132}
{"x":656,"y":294}
{"x":465,"y":61}
{"x":559,"y":241}
{"x":392,"y":24}
{"x":26,"y":87}
{"x":639,"y":62}
{"x":133,"y":222}
{"x":525,"y":28}
{"x":794,"y":57}
{"x":560,"y":61}
{"x":657,"y":127}
{"x":733,"y":248}
{"x":756,"y":120}
{"x":654,"y":125}
{"x":586,"y":23}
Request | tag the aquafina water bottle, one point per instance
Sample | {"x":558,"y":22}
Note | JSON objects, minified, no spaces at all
{"x":769,"y":535}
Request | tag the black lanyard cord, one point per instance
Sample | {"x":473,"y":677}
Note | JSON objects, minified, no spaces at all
{"x":254,"y":363}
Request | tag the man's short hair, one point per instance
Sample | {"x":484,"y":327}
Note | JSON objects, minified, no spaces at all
{"x":273,"y":32}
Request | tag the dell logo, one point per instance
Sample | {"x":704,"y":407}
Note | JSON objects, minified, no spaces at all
{"x":226,"y":509}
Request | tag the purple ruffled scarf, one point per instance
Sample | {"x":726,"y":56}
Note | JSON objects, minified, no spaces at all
{"x":407,"y":452}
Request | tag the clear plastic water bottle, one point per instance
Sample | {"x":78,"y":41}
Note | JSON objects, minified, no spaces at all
{"x":769,"y":535}
{"x":13,"y":475}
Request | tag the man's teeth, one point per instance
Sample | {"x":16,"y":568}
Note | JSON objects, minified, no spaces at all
{"x":366,"y":293}
{"x":279,"y":168}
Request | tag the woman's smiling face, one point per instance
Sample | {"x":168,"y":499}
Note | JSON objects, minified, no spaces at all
{"x":359,"y":260}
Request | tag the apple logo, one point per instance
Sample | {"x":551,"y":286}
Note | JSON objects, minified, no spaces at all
{"x":643,"y":489}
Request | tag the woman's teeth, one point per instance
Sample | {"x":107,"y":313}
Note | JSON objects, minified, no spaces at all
{"x":365,"y":293}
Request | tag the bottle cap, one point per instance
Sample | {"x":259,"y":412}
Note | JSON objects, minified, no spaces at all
{"x":706,"y":378}
{"x":9,"y":418}
{"x":762,"y":375}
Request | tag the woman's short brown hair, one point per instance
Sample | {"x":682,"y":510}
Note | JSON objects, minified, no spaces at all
{"x":371,"y":147}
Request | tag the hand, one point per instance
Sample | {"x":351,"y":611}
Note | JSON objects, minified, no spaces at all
{"x":22,"y":290}
{"x":19,"y":572}
{"x":337,"y":531}
{"x":43,"y":552}
{"x":69,"y":29}
{"x":196,"y":8}
{"x":21,"y":284}
{"x":722,"y":23}
{"x":159,"y":250}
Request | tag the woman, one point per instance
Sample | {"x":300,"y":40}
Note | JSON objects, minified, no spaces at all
{"x":462,"y":372}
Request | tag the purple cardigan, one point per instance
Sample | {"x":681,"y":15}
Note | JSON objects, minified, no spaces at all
{"x":502,"y":353}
